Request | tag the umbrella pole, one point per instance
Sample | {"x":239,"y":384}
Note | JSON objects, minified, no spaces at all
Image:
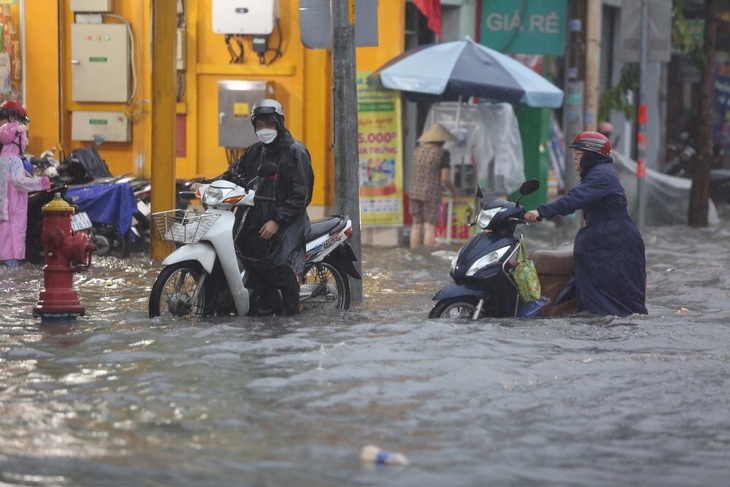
{"x":453,"y":173}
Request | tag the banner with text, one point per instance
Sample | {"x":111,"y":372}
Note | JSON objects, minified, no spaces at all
{"x":381,"y":154}
{"x":11,"y":55}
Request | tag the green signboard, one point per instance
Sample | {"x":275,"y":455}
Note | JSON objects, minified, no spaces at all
{"x":524,"y":26}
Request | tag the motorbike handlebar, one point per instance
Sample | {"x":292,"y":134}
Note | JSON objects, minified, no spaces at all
{"x":522,"y":220}
{"x":264,"y":198}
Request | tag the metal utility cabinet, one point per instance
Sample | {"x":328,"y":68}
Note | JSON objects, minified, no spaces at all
{"x":235,"y":100}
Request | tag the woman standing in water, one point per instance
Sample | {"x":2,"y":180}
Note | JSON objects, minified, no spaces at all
{"x":610,"y":266}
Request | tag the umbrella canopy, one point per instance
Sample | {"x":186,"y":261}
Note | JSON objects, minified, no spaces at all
{"x":450,"y":71}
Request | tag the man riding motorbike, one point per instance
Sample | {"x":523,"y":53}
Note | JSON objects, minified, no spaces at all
{"x":271,"y":237}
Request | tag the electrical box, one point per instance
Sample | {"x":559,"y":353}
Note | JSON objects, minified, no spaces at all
{"x":114,"y":126}
{"x":99,"y":63}
{"x":245,"y":17}
{"x":92,"y":5}
{"x":235,"y":101}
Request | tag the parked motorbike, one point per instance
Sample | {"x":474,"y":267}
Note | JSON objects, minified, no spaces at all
{"x":483,"y":285}
{"x":681,"y":164}
{"x":684,"y":160}
{"x":141,"y":222}
{"x":207,"y":275}
{"x":85,"y":167}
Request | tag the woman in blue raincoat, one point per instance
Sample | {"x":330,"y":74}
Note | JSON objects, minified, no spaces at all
{"x":610,"y":266}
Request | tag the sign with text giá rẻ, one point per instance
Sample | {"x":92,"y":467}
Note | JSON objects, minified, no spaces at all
{"x":524,"y":26}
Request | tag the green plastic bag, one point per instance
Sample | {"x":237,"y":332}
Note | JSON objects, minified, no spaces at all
{"x":525,"y":276}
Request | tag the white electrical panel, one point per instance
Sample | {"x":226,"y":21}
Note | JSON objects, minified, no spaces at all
{"x":92,"y":5}
{"x":181,"y":50}
{"x":99,"y":63}
{"x":114,"y":126}
{"x":245,"y":17}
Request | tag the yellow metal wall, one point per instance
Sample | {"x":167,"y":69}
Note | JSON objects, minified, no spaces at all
{"x":301,"y":77}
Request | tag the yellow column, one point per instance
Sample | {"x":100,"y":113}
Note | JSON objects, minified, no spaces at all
{"x":164,"y":22}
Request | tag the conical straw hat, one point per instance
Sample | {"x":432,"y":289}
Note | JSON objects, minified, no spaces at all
{"x":437,"y":133}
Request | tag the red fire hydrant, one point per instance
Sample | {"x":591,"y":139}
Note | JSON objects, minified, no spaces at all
{"x":66,"y":253}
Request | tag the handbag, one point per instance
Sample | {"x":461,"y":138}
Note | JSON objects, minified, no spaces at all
{"x":525,"y":277}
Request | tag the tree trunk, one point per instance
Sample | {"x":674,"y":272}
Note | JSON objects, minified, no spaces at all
{"x":699,"y":197}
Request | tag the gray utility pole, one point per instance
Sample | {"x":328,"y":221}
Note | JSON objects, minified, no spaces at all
{"x":641,"y":135}
{"x":574,"y":119}
{"x":347,"y":151}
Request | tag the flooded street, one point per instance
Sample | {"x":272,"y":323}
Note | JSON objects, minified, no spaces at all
{"x":117,"y":399}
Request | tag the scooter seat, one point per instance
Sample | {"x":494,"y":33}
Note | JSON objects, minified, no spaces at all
{"x":325,"y":226}
{"x":558,"y":262}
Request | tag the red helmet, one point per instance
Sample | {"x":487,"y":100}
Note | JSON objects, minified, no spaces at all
{"x":13,"y":108}
{"x":593,"y":142}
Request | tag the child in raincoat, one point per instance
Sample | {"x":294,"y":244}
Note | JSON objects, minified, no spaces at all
{"x":15,"y":183}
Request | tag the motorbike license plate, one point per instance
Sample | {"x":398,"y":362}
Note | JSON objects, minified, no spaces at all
{"x":80,"y":221}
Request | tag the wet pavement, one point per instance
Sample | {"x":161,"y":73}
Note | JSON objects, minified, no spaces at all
{"x":114,"y":398}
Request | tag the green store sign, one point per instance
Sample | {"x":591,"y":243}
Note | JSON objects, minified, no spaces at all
{"x":524,"y":26}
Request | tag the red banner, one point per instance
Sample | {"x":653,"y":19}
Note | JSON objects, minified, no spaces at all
{"x":432,"y":10}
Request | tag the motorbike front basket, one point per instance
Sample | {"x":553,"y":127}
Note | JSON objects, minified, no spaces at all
{"x":183,"y":227}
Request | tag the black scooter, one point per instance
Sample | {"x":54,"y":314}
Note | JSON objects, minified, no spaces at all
{"x":684,"y":160}
{"x":483,"y":285}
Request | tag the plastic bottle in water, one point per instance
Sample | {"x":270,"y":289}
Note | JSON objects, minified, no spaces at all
{"x":374,"y":454}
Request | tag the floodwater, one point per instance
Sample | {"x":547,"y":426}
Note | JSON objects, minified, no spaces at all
{"x":117,"y":399}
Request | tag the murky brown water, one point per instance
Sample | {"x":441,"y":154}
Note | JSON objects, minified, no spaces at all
{"x":117,"y":399}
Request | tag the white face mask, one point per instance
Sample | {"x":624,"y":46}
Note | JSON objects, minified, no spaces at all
{"x":266,"y":136}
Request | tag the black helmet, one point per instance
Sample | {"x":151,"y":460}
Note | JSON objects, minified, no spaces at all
{"x":268,"y":109}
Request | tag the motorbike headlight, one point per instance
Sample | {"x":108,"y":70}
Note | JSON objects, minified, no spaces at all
{"x":485,"y":216}
{"x":486,"y":260}
{"x":454,"y":261}
{"x":213,"y":196}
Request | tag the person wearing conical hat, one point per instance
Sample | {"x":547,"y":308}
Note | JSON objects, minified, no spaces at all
{"x":431,"y":171}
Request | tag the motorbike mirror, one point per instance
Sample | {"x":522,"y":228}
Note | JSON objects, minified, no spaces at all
{"x":529,"y":187}
{"x":479,"y":193}
{"x":99,"y":139}
{"x":267,"y":169}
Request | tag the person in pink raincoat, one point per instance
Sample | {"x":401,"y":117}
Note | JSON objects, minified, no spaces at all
{"x":15,"y":183}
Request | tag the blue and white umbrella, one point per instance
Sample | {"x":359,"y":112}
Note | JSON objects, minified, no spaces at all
{"x":451,"y":71}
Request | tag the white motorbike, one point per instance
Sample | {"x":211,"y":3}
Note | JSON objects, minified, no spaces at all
{"x":206,"y":275}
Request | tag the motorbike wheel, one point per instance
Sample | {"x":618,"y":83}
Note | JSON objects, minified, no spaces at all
{"x":461,"y":307}
{"x":123,"y":245}
{"x":103,"y":246}
{"x":174,"y":288}
{"x":324,"y":287}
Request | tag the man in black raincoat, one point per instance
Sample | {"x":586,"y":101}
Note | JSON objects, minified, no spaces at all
{"x":271,"y":237}
{"x":610,"y":266}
